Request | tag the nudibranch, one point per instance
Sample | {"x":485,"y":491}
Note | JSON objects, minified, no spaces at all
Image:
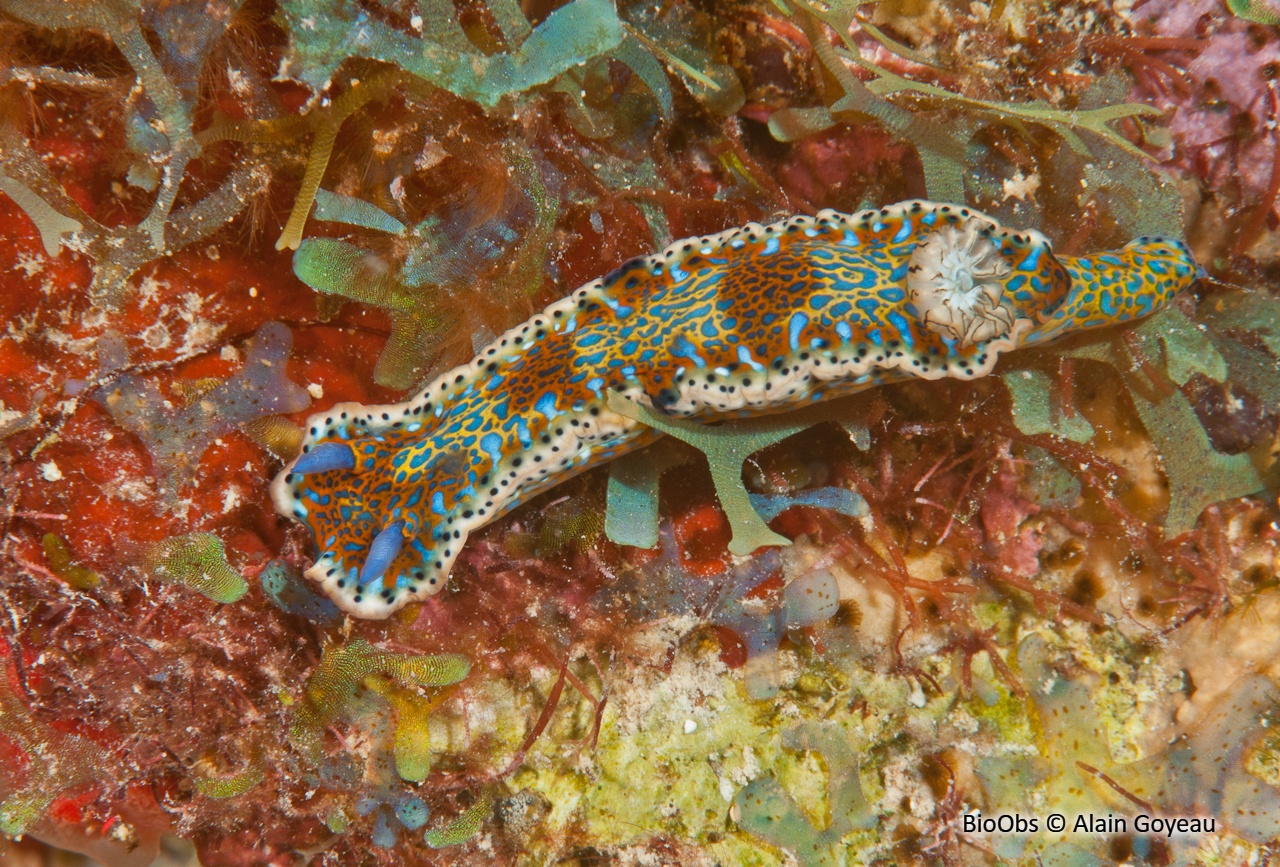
{"x":751,"y":321}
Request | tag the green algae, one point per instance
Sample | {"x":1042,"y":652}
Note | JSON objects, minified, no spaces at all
{"x":198,"y":561}
{"x":1036,"y":409}
{"x":51,"y":224}
{"x":673,"y":38}
{"x":120,"y":252}
{"x":345,"y":270}
{"x":1244,"y":328}
{"x":62,"y":563}
{"x":1256,"y":11}
{"x":941,"y":148}
{"x":631,"y":504}
{"x":945,"y":144}
{"x":727,"y":447}
{"x":632,"y":517}
{"x":120,"y":20}
{"x":410,"y":286}
{"x":1199,"y":475}
{"x":798,"y":799}
{"x":763,"y":808}
{"x":336,"y":30}
{"x":1179,"y":348}
{"x":331,"y":688}
{"x":335,"y":267}
{"x":1255,"y":371}
{"x":322,"y":122}
{"x":335,"y":208}
{"x":411,"y":748}
{"x":1139,"y":200}
{"x":233,"y":786}
{"x":641,"y":61}
{"x":1252,"y":312}
{"x":839,"y":500}
{"x":1048,"y":483}
{"x":462,"y":828}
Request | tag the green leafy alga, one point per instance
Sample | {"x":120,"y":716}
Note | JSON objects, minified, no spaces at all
{"x":766,"y":810}
{"x":342,"y":669}
{"x":326,"y":33}
{"x":198,"y":561}
{"x":726,"y":446}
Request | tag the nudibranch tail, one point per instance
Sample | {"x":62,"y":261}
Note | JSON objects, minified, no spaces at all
{"x":748,"y":322}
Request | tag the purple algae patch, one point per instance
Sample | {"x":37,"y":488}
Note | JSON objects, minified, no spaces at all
{"x":177,"y":434}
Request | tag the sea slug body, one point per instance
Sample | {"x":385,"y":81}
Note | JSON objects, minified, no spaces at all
{"x":751,"y":321}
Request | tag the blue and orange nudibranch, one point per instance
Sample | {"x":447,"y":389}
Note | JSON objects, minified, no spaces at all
{"x":751,"y":321}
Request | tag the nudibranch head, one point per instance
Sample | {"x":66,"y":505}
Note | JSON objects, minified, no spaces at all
{"x":751,"y":321}
{"x":384,"y":500}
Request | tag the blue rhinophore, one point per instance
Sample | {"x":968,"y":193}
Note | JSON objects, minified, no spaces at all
{"x":325,"y":458}
{"x":382,"y":550}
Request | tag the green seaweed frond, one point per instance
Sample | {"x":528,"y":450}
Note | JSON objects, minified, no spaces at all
{"x":765,"y":810}
{"x":1199,"y":475}
{"x":1256,"y":11}
{"x":726,"y":446}
{"x":461,"y":829}
{"x":62,"y":564}
{"x":1177,"y":348}
{"x":119,"y":252}
{"x":412,"y":745}
{"x":222,"y":788}
{"x":336,"y":208}
{"x":198,"y":561}
{"x":1037,"y":410}
{"x":331,"y":688}
{"x":942,"y":145}
{"x":631,"y":502}
{"x":1256,"y":313}
{"x":322,"y":122}
{"x":410,"y":285}
{"x":51,"y":224}
{"x":119,"y":20}
{"x":325,"y":34}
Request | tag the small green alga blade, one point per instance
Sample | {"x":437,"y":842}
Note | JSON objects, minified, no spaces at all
{"x":1199,"y":476}
{"x":726,"y":446}
{"x":1036,"y":412}
{"x":631,"y":506}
